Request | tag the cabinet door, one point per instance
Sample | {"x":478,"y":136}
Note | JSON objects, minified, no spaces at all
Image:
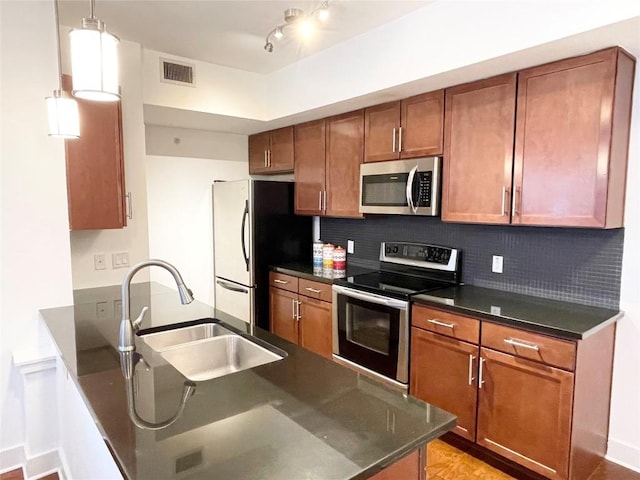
{"x":258,"y":151}
{"x":381,"y":127}
{"x":281,"y":150}
{"x":524,"y":412}
{"x":309,"y":167}
{"x":478,"y":151}
{"x":563,"y":139}
{"x":95,"y":168}
{"x":282,"y":314}
{"x":422,"y":125}
{"x":315,"y":326}
{"x":444,"y":373}
{"x":345,"y":145}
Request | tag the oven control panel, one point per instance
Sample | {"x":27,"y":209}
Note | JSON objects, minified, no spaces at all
{"x":419,"y":254}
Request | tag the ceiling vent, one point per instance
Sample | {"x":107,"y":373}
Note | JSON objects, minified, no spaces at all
{"x":177,"y":73}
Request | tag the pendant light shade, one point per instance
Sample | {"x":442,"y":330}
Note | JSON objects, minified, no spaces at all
{"x":62,"y":110}
{"x":63,"y":115}
{"x":94,"y":61}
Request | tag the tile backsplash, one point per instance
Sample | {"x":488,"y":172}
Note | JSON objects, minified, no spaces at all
{"x":575,"y":265}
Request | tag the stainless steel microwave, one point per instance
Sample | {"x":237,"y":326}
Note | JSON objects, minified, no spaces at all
{"x":402,"y":187}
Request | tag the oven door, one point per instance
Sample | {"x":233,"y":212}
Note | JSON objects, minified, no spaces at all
{"x":371,"y":331}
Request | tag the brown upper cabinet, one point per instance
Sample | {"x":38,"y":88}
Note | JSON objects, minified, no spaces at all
{"x":409,"y":128}
{"x":327,"y":167}
{"x":271,"y":152}
{"x":556,"y":157}
{"x":95,"y":167}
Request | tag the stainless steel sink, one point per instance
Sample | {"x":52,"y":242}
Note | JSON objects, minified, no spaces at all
{"x":166,"y":339}
{"x":218,"y":356}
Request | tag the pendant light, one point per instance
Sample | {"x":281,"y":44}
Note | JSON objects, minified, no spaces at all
{"x":62,"y":109}
{"x":94,"y":61}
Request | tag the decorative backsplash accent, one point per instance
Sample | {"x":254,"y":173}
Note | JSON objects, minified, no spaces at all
{"x":575,"y":265}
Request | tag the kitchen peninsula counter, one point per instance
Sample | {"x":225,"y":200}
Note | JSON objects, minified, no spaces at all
{"x":299,"y":417}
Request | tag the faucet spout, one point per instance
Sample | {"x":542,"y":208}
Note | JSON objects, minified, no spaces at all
{"x":127,"y":327}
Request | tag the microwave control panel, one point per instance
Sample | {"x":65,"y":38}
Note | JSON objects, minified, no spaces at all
{"x":424,"y":180}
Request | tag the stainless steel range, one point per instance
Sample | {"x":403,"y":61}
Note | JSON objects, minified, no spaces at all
{"x":371,"y":311}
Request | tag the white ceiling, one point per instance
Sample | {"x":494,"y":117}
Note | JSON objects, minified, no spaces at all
{"x":232,"y":33}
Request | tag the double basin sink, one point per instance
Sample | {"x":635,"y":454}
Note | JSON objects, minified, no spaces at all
{"x":209,"y":350}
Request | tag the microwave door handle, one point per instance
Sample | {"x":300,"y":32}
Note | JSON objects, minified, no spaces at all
{"x":412,"y":175}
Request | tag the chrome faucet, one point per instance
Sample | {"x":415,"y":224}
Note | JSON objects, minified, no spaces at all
{"x":128,"y":356}
{"x":127,"y":327}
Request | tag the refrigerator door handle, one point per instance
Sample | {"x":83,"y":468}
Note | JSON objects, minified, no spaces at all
{"x":245,"y":215}
{"x":229,"y":286}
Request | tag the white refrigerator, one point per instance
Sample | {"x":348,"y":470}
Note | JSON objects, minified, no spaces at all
{"x":254,"y":228}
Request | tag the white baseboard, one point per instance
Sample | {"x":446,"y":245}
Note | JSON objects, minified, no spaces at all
{"x":33,"y":467}
{"x":624,"y":454}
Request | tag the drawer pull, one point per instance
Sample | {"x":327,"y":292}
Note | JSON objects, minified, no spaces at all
{"x":314,"y":290}
{"x":471,"y":378}
{"x":442,"y":324}
{"x":283,"y":282}
{"x":520,"y":343}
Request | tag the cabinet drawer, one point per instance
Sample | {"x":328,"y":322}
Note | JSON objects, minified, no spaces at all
{"x":445,"y":323}
{"x":283,"y":281}
{"x":533,"y":346}
{"x":321,"y":291}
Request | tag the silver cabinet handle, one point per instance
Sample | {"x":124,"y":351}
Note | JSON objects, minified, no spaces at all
{"x":293,"y":310}
{"x":314,"y":290}
{"x":320,"y":200}
{"x":504,"y":194}
{"x":129,"y":206}
{"x":265,"y":159}
{"x":480,"y":380}
{"x":298,"y":316}
{"x":516,"y":191}
{"x":324,"y":200}
{"x":268,"y":158}
{"x":400,"y":139}
{"x":471,"y":378}
{"x":393,"y":140}
{"x":442,"y":324}
{"x":520,"y":343}
{"x":282,"y":282}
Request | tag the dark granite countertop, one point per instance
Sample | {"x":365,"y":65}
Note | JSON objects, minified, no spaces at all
{"x":308,"y":272}
{"x":300,"y":417}
{"x":567,"y":320}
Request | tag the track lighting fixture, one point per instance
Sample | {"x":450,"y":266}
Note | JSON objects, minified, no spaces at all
{"x":305,"y":23}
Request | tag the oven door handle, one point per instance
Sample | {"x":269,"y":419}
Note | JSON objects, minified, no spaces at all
{"x":368,"y":297}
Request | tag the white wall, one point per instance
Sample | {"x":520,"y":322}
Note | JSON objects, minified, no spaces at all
{"x":624,"y":435}
{"x":179,"y":199}
{"x":34,"y":259}
{"x":134,"y":237}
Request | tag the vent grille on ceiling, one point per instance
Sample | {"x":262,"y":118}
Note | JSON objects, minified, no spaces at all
{"x":179,"y":73}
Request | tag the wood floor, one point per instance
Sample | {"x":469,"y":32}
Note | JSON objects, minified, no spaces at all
{"x":445,"y":462}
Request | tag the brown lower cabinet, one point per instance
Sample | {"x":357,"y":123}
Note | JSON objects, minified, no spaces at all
{"x":300,"y":311}
{"x":540,"y":401}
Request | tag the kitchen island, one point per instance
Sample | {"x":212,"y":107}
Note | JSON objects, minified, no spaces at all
{"x":302,"y":417}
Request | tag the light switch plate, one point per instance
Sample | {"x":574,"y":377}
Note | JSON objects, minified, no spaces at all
{"x":99,"y":261}
{"x":351,"y":245}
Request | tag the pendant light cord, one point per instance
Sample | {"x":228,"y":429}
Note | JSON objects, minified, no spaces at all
{"x":55,"y":2}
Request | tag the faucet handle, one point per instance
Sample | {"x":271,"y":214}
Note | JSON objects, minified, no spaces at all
{"x":138,"y":321}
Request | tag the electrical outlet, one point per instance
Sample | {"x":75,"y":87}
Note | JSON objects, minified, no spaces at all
{"x":351,"y":245}
{"x":117,"y":306}
{"x":102,"y":311}
{"x":496,"y":266}
{"x":99,"y":261}
{"x":120,"y":259}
